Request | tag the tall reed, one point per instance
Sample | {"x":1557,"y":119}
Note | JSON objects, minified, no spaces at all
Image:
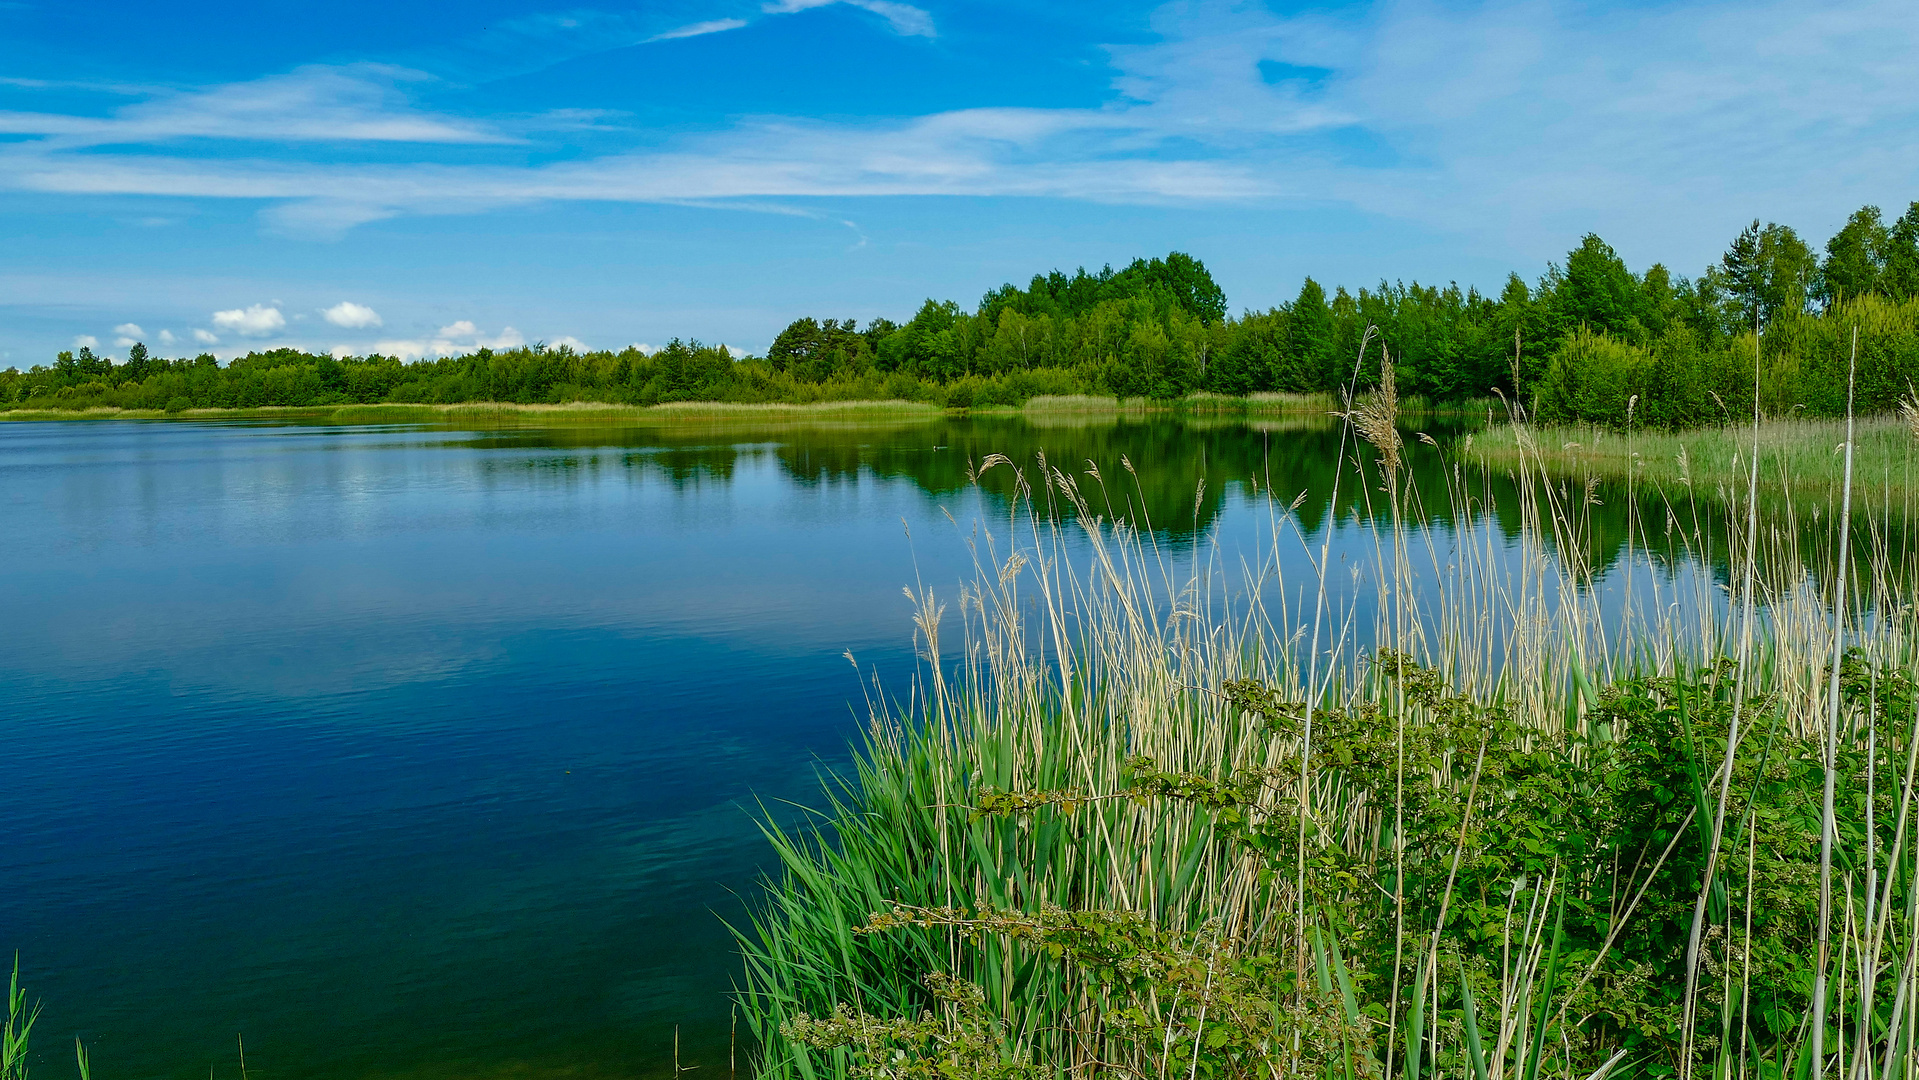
{"x":1151,"y":788}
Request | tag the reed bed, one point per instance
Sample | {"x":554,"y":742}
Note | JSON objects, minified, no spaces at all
{"x":1498,"y":815}
{"x":1804,"y":458}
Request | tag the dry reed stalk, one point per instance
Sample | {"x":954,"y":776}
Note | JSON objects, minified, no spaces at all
{"x":1724,"y":776}
{"x":1377,"y":421}
{"x":1826,"y":818}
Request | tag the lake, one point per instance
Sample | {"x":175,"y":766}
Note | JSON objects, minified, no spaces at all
{"x":423,"y":752}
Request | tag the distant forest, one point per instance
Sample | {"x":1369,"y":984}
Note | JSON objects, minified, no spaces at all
{"x":1589,"y":340}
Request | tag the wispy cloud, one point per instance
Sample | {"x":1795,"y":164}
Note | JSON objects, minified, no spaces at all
{"x":1658,"y":121}
{"x":513,"y":47}
{"x":905,"y":19}
{"x":90,"y":86}
{"x":1512,"y":116}
{"x":710,"y":26}
{"x":352,"y":103}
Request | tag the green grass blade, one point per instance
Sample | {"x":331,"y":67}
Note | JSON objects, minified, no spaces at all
{"x":1546,"y":993}
{"x":1475,"y":1051}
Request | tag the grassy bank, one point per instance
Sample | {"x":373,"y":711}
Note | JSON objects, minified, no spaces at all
{"x":1802,"y":458}
{"x":1152,"y":817}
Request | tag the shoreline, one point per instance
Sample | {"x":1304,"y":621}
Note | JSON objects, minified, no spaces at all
{"x":1263,"y":404}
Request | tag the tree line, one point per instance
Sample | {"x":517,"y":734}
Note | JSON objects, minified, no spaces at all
{"x":1590,"y":339}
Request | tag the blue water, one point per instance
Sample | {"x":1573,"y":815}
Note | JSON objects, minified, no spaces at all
{"x":406,"y":751}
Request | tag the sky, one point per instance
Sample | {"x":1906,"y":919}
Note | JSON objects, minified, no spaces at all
{"x":423,"y":178}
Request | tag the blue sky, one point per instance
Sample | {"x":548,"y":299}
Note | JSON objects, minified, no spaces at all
{"x":424,"y":178}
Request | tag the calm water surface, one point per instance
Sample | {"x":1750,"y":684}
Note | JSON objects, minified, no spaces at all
{"x":404,"y":751}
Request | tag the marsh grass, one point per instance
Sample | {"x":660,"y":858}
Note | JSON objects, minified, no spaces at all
{"x":1169,"y":813}
{"x":1408,"y":405}
{"x":1803,"y":458}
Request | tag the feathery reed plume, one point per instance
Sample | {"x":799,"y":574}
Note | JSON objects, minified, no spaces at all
{"x":1377,"y":418}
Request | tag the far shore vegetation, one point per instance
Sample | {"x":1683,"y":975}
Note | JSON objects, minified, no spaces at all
{"x":1589,"y":341}
{"x":1068,"y":405}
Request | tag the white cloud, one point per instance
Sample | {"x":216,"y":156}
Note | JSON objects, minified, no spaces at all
{"x":256,"y":320}
{"x":711,"y":26}
{"x":905,"y":19}
{"x":125,"y":342}
{"x":645,"y":348}
{"x":86,"y":341}
{"x":205,"y":337}
{"x":570,"y":342}
{"x":457,"y":339}
{"x":166,"y":337}
{"x":352,"y":316}
{"x":405,"y":350}
{"x":131,"y":330}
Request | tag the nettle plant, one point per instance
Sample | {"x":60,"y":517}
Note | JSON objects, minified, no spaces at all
{"x":1438,"y":854}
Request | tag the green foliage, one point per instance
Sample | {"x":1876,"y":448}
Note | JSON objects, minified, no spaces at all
{"x":1580,"y":345}
{"x":967,"y":1043}
{"x":1596,"y":292}
{"x":1677,"y":380}
{"x":1767,"y":272}
{"x":1200,"y":1002}
{"x":1807,"y":358}
{"x":1599,"y":830}
{"x":820,"y":351}
{"x":1593,"y":377}
{"x":1901,"y":278}
{"x":1855,"y":259}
